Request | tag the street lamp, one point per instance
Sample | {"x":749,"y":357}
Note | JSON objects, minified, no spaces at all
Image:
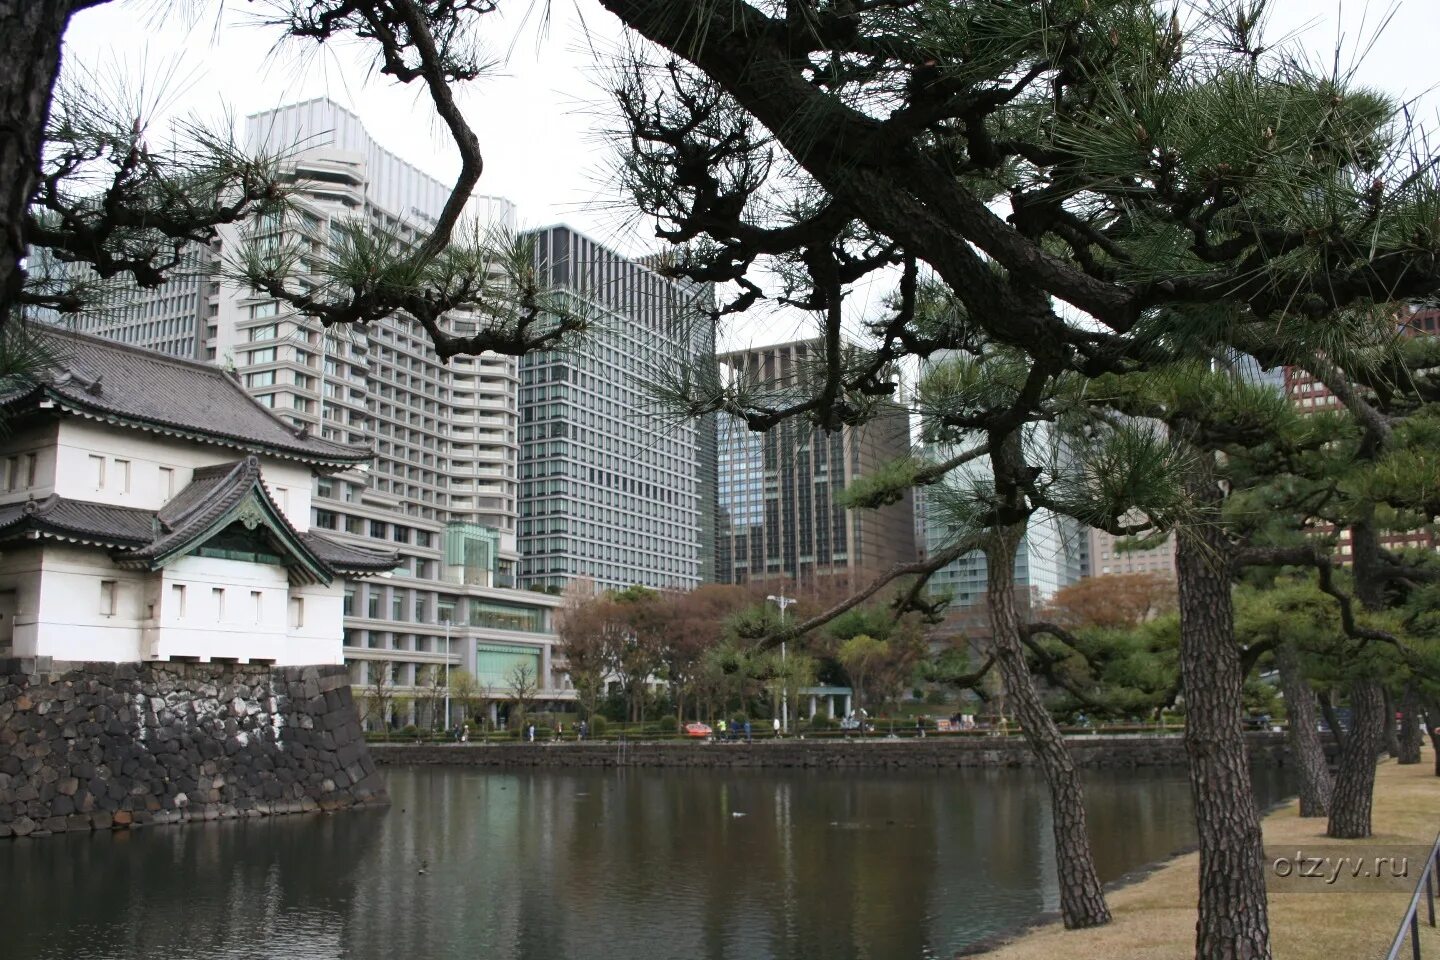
{"x":784,"y":603}
{"x":447,"y":674}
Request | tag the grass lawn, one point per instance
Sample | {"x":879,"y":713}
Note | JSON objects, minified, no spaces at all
{"x":1155,"y":918}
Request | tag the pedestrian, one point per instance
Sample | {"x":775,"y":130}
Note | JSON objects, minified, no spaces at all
{"x":920,"y":726}
{"x":532,"y":733}
{"x":465,"y":733}
{"x":721,"y":727}
{"x":584,"y":728}
{"x":776,"y":724}
{"x":747,"y":730}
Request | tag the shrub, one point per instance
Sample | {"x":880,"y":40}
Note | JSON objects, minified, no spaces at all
{"x":821,"y":722}
{"x":668,"y":724}
{"x":598,"y":723}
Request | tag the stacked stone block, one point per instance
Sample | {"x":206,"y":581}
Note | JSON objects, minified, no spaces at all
{"x":95,"y":746}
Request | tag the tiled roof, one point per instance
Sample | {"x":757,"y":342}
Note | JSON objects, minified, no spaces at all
{"x":347,"y":559}
{"x":78,"y":520}
{"x":152,"y":391}
{"x":217,"y":497}
{"x":212,"y":493}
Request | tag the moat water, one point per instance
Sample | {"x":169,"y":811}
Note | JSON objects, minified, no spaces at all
{"x":614,"y":865}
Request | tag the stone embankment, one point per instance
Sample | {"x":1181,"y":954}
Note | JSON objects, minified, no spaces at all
{"x":930,"y":752}
{"x":95,"y":746}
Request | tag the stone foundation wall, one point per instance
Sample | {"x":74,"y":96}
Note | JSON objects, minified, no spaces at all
{"x":930,"y":752}
{"x":95,"y":746}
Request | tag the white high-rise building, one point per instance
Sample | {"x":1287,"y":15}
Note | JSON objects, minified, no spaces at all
{"x":444,"y":488}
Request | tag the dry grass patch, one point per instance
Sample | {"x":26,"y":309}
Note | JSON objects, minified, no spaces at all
{"x":1155,"y":918}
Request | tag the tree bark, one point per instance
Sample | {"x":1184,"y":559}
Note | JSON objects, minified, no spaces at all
{"x":1410,"y":739}
{"x":31,"y":32}
{"x":1332,"y":720}
{"x":1234,"y":919}
{"x":1304,"y":734}
{"x":1432,"y":723}
{"x":1391,"y":738}
{"x":1355,"y":781}
{"x":1082,"y":899}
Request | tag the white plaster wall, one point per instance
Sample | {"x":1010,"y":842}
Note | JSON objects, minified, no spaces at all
{"x":37,"y":441}
{"x":58,"y":599}
{"x":64,"y":466}
{"x":244,"y":630}
{"x":319,"y":638}
{"x":20,"y":575}
{"x":219,"y":615}
{"x":60,"y":610}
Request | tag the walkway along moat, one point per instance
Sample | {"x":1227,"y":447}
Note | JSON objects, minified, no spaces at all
{"x":942,"y":751}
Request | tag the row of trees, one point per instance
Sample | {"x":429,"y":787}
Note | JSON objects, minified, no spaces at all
{"x":381,"y":700}
{"x":708,"y":646}
{"x":1094,"y":214}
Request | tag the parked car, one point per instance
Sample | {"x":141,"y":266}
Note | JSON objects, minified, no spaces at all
{"x":1260,"y":721}
{"x":697,"y":730}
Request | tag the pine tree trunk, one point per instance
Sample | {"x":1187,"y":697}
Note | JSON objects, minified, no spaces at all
{"x":1332,"y":720}
{"x":1355,"y":781}
{"x":1391,"y":738}
{"x":1304,"y":734}
{"x":30,"y":39}
{"x":1082,"y":899}
{"x":1234,"y":919}
{"x":1410,"y":738}
{"x":1432,"y":724}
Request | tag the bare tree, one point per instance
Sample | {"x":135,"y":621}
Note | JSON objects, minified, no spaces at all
{"x":432,"y":685}
{"x":523,"y":686}
{"x":588,"y":628}
{"x":470,"y":693}
{"x":379,"y":692}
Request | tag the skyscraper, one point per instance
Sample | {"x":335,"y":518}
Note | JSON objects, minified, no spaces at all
{"x":1055,"y":553}
{"x":778,"y":510}
{"x":443,"y":490}
{"x":1309,"y":395}
{"x":613,"y":487}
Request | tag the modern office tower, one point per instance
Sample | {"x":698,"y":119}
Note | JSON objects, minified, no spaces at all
{"x":1052,"y":556}
{"x":443,"y":488}
{"x":1309,"y":395}
{"x":613,"y":487}
{"x":1055,"y":553}
{"x":1106,"y":557}
{"x":170,"y":319}
{"x":779,"y":515}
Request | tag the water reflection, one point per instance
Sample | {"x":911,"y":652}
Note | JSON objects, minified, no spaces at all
{"x":548,"y":865}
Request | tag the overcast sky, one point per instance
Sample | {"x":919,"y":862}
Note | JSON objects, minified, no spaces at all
{"x":541,"y":113}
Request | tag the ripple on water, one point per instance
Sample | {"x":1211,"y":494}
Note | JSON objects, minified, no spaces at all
{"x":570,"y":865}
